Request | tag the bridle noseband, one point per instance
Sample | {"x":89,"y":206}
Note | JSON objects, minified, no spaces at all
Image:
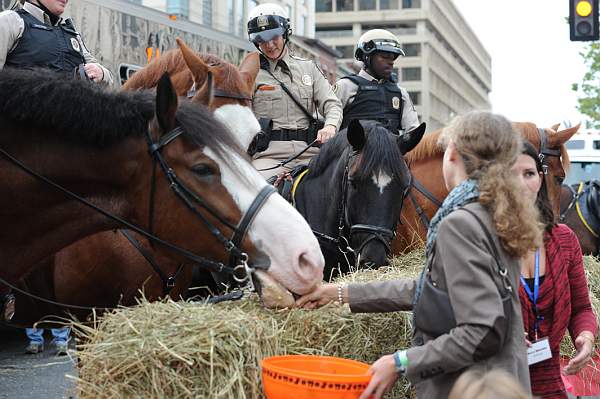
{"x":545,"y":151}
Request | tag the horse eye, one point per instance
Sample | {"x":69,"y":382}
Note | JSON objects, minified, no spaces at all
{"x":559,"y":179}
{"x":202,"y":170}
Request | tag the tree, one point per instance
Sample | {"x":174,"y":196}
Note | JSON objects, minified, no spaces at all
{"x":589,"y":88}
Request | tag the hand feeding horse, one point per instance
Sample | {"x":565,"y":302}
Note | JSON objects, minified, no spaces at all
{"x":428,"y":190}
{"x":106,"y":147}
{"x":205,"y":80}
{"x":580,"y":210}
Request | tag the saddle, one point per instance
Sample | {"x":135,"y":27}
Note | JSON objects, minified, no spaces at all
{"x":284,"y":182}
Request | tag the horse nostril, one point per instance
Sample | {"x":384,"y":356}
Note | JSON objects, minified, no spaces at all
{"x":310,"y":265}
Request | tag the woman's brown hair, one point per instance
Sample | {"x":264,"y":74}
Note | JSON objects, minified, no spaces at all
{"x":489,"y":147}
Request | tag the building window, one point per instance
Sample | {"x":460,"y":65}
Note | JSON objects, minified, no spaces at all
{"x":412,"y":49}
{"x":289,"y":14}
{"x":323,"y":6}
{"x":347,"y":51}
{"x":207,"y":12}
{"x":334,"y":31}
{"x":239,"y":16}
{"x":301,"y":28}
{"x":366,"y":4}
{"x":389,"y":4}
{"x":179,"y":8}
{"x":231,"y":16}
{"x":411,"y":3}
{"x":344,"y":5}
{"x":411,"y":74}
{"x":415,"y":97}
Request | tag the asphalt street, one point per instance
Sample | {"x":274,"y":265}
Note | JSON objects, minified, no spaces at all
{"x":36,"y":376}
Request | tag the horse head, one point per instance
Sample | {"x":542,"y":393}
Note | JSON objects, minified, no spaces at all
{"x":354,"y":189}
{"x":222,"y":196}
{"x":224,"y":89}
{"x":551,"y":146}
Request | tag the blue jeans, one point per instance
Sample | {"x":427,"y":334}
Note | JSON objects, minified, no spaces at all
{"x":36,"y":335}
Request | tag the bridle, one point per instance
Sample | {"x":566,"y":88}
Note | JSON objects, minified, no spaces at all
{"x":345,"y":229}
{"x":237,"y":266}
{"x":545,"y":151}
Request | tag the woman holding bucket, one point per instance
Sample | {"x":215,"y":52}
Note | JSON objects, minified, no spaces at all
{"x":466,"y":302}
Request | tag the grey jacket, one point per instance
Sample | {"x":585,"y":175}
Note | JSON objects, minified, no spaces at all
{"x":461,"y":266}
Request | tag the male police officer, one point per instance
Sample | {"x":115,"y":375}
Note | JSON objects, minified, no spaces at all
{"x":373,"y":94}
{"x":35,"y":36}
{"x":291,"y":111}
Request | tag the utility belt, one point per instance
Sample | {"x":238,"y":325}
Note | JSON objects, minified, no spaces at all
{"x":261,"y":141}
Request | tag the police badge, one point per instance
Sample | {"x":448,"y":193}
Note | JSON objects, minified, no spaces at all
{"x":396,"y":103}
{"x":75,"y":45}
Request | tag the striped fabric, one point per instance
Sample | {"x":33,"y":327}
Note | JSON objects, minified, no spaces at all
{"x":563,"y":302}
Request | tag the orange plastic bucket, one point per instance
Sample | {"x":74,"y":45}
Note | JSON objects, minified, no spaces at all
{"x":313,"y":377}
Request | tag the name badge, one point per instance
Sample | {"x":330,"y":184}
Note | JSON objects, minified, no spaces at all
{"x":539,"y":351}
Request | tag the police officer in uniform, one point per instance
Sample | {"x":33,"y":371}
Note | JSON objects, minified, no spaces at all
{"x":292,"y":128}
{"x":373,"y":93}
{"x":35,"y":35}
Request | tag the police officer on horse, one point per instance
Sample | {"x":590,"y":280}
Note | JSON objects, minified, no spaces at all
{"x":287,"y":92}
{"x":33,"y":34}
{"x":373,"y":93}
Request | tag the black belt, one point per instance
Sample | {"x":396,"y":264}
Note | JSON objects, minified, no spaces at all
{"x":305,"y":135}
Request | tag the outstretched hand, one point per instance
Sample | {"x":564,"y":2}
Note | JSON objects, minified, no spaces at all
{"x":321,"y":296}
{"x":585,"y":348}
{"x":384,"y":376}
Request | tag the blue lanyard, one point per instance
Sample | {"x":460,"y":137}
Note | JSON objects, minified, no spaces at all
{"x":533,"y":296}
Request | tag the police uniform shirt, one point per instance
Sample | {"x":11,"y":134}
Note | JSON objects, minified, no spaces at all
{"x":12,"y":27}
{"x":345,"y":89}
{"x":306,"y":82}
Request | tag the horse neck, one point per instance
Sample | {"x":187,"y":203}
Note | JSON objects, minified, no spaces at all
{"x":39,"y":219}
{"x":318,"y":198}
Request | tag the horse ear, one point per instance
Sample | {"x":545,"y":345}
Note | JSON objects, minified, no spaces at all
{"x":206,"y":93}
{"x":356,"y":135}
{"x":410,"y":139}
{"x":565,"y":135}
{"x":554,"y":127}
{"x":249,"y":68}
{"x":195,"y":64}
{"x":166,"y":103}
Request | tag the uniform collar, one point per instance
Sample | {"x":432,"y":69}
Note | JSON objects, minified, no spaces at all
{"x":38,"y":13}
{"x":365,"y":75}
{"x":283,"y":62}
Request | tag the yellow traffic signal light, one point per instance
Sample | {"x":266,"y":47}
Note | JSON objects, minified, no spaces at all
{"x":583,"y":20}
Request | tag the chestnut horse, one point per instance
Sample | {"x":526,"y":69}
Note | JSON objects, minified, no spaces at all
{"x":580,"y":210}
{"x":82,"y":274}
{"x":106,"y":138}
{"x":425,"y":163}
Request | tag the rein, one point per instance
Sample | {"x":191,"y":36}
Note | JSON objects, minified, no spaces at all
{"x":290,"y":159}
{"x":238,"y":266}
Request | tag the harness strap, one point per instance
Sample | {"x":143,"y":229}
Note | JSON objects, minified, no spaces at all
{"x":296,"y":184}
{"x":168,"y":282}
{"x":574,"y":198}
{"x":580,"y":213}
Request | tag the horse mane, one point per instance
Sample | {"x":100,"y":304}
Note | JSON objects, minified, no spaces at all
{"x":173,"y":62}
{"x":428,"y":147}
{"x":380,"y":153}
{"x":85,"y":114}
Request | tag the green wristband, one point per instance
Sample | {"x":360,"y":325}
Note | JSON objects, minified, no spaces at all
{"x":401,"y":361}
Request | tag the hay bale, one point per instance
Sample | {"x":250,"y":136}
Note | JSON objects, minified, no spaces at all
{"x":181,"y":349}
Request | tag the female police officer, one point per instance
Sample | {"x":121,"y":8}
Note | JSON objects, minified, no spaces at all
{"x":287,"y":90}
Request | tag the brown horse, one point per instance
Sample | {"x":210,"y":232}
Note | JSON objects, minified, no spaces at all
{"x":83,"y":273}
{"x":425,"y":163}
{"x":105,"y":137}
{"x":580,"y":210}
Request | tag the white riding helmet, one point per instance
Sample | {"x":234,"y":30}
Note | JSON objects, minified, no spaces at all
{"x":377,"y":40}
{"x":267,"y":21}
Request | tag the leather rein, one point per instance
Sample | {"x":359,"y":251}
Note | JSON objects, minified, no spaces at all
{"x":237,"y":266}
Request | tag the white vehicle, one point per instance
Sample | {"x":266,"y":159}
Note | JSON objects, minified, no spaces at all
{"x":584,"y":153}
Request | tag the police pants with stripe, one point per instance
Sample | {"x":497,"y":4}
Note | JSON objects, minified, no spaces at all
{"x":280,"y":151}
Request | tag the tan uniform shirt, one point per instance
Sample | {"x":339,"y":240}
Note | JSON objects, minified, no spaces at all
{"x":346,"y":89}
{"x":306,"y":82}
{"x":11,"y":30}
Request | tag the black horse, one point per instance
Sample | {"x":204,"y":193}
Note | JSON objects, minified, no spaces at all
{"x":580,"y":210}
{"x":352,"y":193}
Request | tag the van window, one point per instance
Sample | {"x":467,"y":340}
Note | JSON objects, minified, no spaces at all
{"x":582,"y":171}
{"x":575,"y":144}
{"x":596,"y":145}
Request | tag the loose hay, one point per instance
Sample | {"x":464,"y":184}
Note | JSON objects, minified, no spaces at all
{"x":181,"y":349}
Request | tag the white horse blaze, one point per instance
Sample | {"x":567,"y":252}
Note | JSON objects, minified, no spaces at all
{"x":381,"y":180}
{"x":278,"y":229}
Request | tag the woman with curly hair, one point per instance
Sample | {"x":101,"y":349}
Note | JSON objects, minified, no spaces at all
{"x":465,"y":302}
{"x":554,"y":290}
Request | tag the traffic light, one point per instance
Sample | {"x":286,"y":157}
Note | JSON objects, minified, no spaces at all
{"x":583,"y":20}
